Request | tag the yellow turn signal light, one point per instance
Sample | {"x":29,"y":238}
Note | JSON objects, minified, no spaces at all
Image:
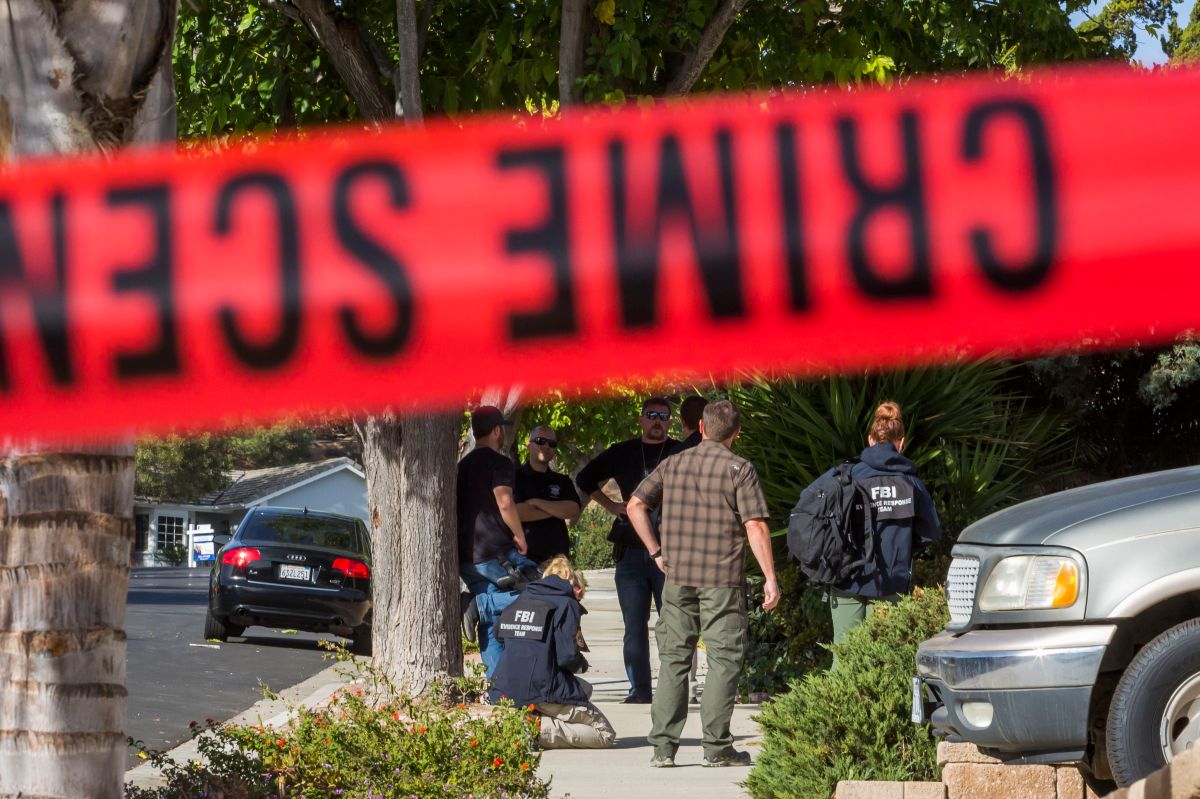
{"x":1066,"y":586}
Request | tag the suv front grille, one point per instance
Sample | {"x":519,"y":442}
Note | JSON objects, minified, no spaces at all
{"x":960,"y":589}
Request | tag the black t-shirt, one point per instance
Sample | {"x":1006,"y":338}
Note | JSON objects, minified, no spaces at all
{"x":482,"y":533}
{"x":545,"y":537}
{"x":628,"y":462}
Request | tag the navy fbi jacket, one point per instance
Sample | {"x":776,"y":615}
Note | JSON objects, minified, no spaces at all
{"x":541,"y":651}
{"x":903,"y":517}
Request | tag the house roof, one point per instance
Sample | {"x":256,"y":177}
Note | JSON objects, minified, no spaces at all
{"x":247,"y":487}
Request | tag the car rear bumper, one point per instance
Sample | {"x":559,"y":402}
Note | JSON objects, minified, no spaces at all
{"x":1037,"y":681}
{"x":304,"y":608}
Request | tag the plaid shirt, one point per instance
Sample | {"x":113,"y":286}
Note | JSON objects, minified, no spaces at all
{"x":707,"y":495}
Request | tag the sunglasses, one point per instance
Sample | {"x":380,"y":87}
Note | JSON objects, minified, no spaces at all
{"x":544,"y":442}
{"x":662,"y":416}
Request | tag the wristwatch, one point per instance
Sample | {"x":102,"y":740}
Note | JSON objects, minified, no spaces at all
{"x":656,"y":554}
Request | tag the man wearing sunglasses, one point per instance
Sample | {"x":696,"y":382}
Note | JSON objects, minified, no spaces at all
{"x":638,"y":580}
{"x":545,"y":498}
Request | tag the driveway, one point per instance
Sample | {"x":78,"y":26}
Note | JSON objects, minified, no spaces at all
{"x":176,"y":677}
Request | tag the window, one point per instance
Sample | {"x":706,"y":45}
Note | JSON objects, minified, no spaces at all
{"x":170,"y":531}
{"x":141,"y":524}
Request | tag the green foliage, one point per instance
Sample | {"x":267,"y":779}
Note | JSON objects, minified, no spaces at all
{"x":977,"y":441}
{"x":1187,"y":47}
{"x":368,"y":742}
{"x":280,"y":445}
{"x":1174,"y":370}
{"x":590,"y":548}
{"x":787,"y":641}
{"x":1130,"y":411}
{"x":172,"y":554}
{"x":853,"y":723}
{"x":178,"y":467}
{"x":188,"y":467}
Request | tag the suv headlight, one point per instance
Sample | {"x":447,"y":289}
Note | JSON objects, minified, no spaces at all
{"x":1031,"y":582}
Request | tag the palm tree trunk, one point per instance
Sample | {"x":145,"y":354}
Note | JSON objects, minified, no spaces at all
{"x":92,"y":74}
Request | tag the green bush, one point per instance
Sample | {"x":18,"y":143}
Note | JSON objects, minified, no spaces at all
{"x":853,"y":723}
{"x":591,"y":548}
{"x":368,"y":742}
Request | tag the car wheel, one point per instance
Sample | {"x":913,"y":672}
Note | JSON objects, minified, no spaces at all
{"x":1155,"y":711}
{"x":361,"y":643}
{"x":214,"y":628}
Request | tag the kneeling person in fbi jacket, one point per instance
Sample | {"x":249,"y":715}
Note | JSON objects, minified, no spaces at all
{"x":541,"y":658}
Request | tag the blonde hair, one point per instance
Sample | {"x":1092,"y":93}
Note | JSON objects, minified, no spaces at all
{"x":561,"y":566}
{"x":888,"y":425}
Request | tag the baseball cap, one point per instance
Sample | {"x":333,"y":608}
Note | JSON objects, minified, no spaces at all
{"x":485,"y":417}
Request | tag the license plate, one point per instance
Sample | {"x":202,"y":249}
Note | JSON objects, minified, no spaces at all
{"x":918,"y":701}
{"x":289,"y":572}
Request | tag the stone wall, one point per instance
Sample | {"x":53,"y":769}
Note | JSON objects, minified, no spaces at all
{"x":968,"y":774}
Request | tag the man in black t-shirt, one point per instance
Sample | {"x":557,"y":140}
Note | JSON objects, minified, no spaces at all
{"x":489,"y":528}
{"x":545,"y":498}
{"x":638,"y":579}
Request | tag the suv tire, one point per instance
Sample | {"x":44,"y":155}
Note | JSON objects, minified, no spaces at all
{"x":1150,"y":683}
{"x":214,"y":628}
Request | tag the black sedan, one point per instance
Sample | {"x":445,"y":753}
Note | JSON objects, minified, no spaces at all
{"x":293,"y":568}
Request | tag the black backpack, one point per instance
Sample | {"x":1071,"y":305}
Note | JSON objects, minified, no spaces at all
{"x":830,"y":530}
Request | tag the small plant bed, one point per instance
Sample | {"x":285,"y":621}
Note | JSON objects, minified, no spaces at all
{"x":368,"y":742}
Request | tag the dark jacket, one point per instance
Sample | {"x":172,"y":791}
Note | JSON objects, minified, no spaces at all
{"x":904,"y":520}
{"x":532,"y":671}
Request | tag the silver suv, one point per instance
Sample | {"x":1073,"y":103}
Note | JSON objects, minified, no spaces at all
{"x":1074,"y":629}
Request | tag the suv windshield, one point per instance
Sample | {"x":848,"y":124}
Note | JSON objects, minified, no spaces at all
{"x":301,"y":530}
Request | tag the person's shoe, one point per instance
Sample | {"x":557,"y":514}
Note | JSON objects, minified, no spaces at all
{"x":730,"y":757}
{"x":662,"y":761}
{"x":470,"y":616}
{"x":637,"y":699}
{"x":507,"y":583}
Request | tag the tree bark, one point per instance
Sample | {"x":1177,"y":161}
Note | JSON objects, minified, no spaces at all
{"x":428,"y":643}
{"x":408,"y":71}
{"x":341,"y":38}
{"x":570,"y":50}
{"x":710,"y":39}
{"x":66,"y":516}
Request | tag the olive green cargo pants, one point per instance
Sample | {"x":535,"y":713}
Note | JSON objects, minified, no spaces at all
{"x":719,"y":615}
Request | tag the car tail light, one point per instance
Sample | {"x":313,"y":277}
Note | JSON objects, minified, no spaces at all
{"x":241,"y":557}
{"x":351,"y":568}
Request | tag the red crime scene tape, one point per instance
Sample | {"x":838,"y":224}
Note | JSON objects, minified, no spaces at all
{"x":803,"y":233}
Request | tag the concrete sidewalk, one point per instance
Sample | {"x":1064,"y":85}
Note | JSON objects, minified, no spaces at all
{"x":622,"y":771}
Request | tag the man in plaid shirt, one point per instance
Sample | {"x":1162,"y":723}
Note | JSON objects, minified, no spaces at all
{"x":712,"y":504}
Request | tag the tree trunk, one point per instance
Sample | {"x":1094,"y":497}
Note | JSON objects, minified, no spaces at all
{"x":381,"y":464}
{"x":410,"y":470}
{"x":66,"y":516}
{"x":427,"y":643}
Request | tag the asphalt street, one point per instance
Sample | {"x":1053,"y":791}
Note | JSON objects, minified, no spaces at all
{"x":175,"y":676}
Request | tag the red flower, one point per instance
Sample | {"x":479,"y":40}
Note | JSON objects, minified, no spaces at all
{"x":524,"y":767}
{"x":421,"y":730}
{"x":498,"y":762}
{"x":474,"y":743}
{"x":281,"y":742}
{"x":396,"y":716}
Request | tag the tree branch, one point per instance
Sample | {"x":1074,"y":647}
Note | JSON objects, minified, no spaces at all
{"x":570,"y":50}
{"x":710,"y":39}
{"x":351,"y":56}
{"x":407,"y":76}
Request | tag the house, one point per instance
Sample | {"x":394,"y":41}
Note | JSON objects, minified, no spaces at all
{"x":336,"y":485}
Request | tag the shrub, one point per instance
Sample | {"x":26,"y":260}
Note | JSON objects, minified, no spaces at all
{"x":853,"y":723}
{"x":591,"y":548}
{"x":368,"y":742}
